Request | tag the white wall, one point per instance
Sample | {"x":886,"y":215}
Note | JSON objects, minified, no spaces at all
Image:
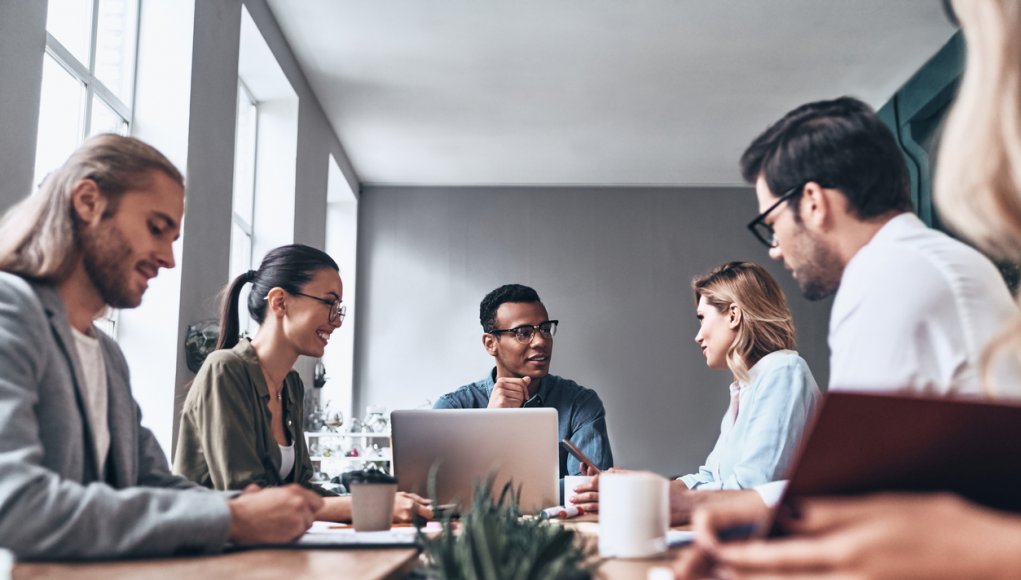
{"x":613,"y":264}
{"x":148,"y":334}
{"x":342,"y":244}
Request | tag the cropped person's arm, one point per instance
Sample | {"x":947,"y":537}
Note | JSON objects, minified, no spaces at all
{"x":588,"y":433}
{"x":45,"y":515}
{"x":880,"y":536}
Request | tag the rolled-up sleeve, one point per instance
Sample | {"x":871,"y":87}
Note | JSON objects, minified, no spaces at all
{"x":217,"y":440}
{"x":588,"y":433}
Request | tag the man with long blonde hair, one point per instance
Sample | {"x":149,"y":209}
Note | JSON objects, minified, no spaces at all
{"x":79,"y":476}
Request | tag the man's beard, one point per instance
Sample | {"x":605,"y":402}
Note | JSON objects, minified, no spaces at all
{"x":819,"y":274}
{"x":106,"y":255}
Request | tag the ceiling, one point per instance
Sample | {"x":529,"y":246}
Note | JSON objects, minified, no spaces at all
{"x":588,"y":92}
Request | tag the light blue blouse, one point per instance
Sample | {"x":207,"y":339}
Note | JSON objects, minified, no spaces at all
{"x":774,"y":407}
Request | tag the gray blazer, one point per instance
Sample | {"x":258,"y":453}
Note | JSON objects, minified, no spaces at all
{"x":54,"y":504}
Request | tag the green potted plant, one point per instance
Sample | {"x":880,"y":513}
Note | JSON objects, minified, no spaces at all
{"x":493,"y":541}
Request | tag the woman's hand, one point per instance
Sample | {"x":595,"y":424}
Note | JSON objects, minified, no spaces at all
{"x":882,"y":536}
{"x":408,"y":505}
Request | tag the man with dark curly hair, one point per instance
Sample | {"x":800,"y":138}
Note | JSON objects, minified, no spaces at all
{"x":518,"y":333}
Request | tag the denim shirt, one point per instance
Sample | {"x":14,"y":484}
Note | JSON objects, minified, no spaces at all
{"x":758,"y":447}
{"x":581,"y":417}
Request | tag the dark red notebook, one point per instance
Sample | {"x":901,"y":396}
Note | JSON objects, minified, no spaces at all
{"x":865,"y":443}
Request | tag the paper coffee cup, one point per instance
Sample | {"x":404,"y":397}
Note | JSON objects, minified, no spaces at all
{"x":571,"y":482}
{"x":634,"y":514}
{"x":372,"y":501}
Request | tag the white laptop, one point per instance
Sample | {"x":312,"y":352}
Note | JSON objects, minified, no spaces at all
{"x":469,"y":444}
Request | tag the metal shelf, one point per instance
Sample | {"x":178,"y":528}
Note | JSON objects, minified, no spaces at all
{"x":366,"y":434}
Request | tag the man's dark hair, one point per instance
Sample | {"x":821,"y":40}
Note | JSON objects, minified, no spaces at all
{"x":506,"y":293}
{"x":839,"y":144}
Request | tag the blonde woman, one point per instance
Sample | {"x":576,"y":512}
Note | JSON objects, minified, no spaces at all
{"x":746,"y":328}
{"x":978,"y":192}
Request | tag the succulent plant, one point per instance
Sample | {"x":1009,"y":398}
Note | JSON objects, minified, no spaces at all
{"x":493,"y":541}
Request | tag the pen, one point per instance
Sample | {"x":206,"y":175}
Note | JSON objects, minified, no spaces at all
{"x":738,"y":532}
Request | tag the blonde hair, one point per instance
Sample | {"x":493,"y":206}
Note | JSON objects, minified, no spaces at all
{"x":766,"y":323}
{"x":978,"y":177}
{"x":39,"y":234}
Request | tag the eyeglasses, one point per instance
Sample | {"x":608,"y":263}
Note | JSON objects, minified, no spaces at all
{"x":337,"y":310}
{"x":526,"y":332}
{"x":763,"y":231}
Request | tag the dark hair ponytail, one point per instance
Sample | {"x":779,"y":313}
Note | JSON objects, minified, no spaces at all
{"x":288,"y":267}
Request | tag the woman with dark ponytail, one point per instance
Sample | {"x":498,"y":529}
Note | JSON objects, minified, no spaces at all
{"x":242,"y":422}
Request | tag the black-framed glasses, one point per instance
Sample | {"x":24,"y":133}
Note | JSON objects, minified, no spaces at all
{"x":763,"y":231}
{"x":526,"y":332}
{"x":337,"y":310}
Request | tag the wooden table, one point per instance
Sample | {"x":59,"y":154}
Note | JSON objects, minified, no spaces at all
{"x":252,"y":565}
{"x":616,"y":568}
{"x":301,"y":564}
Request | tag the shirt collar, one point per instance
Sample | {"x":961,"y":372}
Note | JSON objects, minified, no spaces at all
{"x":246,"y":351}
{"x":898,"y":226}
{"x":759,"y":368}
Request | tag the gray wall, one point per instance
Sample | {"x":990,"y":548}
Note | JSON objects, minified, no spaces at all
{"x":613,"y":264}
{"x":22,"y":41}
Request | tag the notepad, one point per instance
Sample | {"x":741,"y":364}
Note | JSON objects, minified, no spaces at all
{"x":330,"y":536}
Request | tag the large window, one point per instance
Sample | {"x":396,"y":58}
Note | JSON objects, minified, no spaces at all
{"x":242,"y":216}
{"x":88,"y":75}
{"x":88,"y":82}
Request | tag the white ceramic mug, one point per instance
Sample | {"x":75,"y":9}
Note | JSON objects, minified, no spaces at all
{"x":634,"y":514}
{"x":372,"y":506}
{"x":571,"y":482}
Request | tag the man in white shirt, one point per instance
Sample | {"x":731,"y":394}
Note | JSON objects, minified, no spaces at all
{"x":914,"y":308}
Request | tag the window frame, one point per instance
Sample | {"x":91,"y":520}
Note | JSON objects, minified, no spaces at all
{"x":85,"y":73}
{"x":97,"y":89}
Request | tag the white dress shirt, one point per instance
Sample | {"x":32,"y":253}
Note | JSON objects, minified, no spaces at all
{"x":914,"y":311}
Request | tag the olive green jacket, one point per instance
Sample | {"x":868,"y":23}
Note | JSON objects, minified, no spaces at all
{"x":225,"y":440}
